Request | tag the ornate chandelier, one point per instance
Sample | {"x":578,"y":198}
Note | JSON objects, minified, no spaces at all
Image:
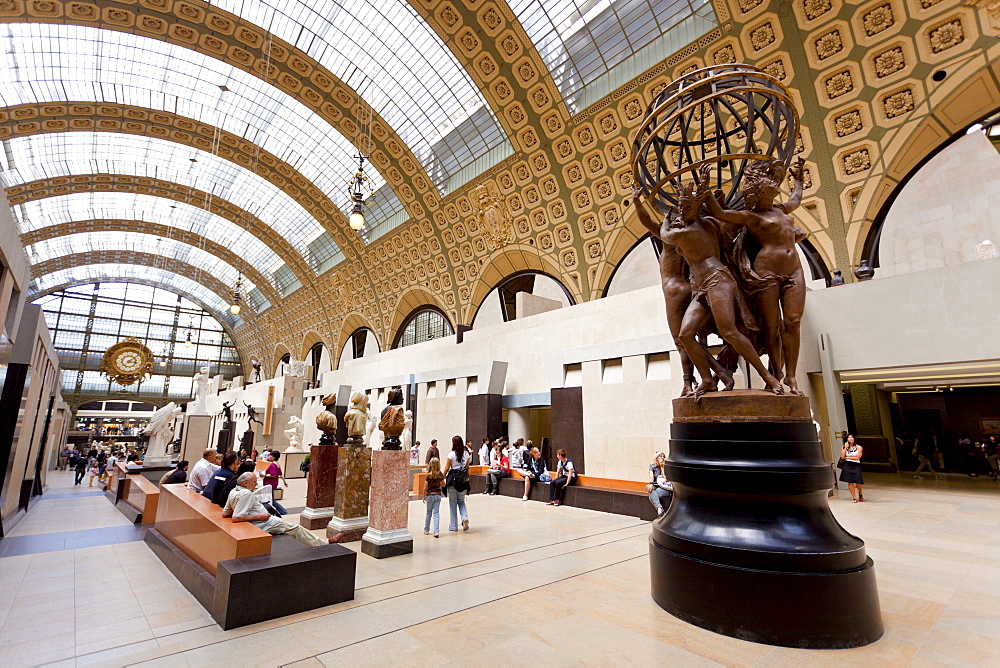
{"x":356,"y":190}
{"x":237,"y":295}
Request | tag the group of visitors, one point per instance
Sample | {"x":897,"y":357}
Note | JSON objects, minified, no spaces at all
{"x":938,"y":453}
{"x":230,"y":481}
{"x":98,"y":463}
{"x":452,"y":478}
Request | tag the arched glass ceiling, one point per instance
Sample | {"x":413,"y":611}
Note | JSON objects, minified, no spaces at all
{"x":138,"y":274}
{"x":66,"y":153}
{"x":387,"y":53}
{"x":67,"y":63}
{"x":583,"y":41}
{"x":82,"y":207}
{"x":85,"y":242}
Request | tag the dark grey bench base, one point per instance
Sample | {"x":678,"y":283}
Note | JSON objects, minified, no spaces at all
{"x":619,"y":502}
{"x":134,"y":516}
{"x":294,"y":578}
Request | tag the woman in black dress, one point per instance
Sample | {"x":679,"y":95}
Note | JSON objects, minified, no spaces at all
{"x":850,"y":452}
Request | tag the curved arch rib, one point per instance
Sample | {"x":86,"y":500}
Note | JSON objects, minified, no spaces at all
{"x":49,"y":242}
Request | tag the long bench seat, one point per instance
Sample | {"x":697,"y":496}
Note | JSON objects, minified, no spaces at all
{"x":227,"y":565}
{"x":140,"y":499}
{"x":609,"y":495}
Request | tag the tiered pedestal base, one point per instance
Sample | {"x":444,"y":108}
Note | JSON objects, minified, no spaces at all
{"x":350,"y":515}
{"x":388,"y":535}
{"x":749,"y":547}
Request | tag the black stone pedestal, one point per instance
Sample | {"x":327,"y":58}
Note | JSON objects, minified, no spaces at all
{"x":749,"y":547}
{"x":246,"y":443}
{"x":386,"y":550}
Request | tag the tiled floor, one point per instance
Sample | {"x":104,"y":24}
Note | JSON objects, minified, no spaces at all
{"x":528,"y":584}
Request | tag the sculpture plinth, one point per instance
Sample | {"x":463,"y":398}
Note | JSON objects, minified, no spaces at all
{"x":350,"y":515}
{"x":749,"y":547}
{"x":321,"y":487}
{"x":388,"y":535}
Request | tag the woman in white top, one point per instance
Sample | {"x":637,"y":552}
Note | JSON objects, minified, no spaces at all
{"x":457,"y":481}
{"x":850,"y":452}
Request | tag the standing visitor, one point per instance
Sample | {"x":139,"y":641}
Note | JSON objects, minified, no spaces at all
{"x":432,"y":451}
{"x":484,"y":453}
{"x":661,"y":490}
{"x":433,"y":487}
{"x":850,"y":452}
{"x":534,"y":471}
{"x":63,"y":459}
{"x":271,"y":476}
{"x":923,"y":448}
{"x":82,"y":463}
{"x":992,"y":450}
{"x":457,"y":483}
{"x":95,"y":471}
{"x":565,"y":472}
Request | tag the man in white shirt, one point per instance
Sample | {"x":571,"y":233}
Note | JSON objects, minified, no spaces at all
{"x":203,"y":471}
{"x":244,"y":506}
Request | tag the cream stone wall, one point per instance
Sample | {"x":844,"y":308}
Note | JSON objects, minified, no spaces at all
{"x":949,"y":206}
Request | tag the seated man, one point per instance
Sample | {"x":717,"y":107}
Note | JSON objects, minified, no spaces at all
{"x":203,"y":471}
{"x":230,"y":461}
{"x":244,"y":506}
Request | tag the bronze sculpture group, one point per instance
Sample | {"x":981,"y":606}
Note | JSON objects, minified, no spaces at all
{"x":711,"y":283}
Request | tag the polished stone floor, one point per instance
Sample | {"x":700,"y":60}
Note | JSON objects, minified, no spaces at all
{"x":528,"y":584}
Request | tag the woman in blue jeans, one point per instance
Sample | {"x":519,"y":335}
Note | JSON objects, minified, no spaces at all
{"x":432,"y":495}
{"x":457,"y":482}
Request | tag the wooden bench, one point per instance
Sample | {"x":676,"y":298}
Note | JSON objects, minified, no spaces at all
{"x":227,"y":565}
{"x":140,"y":499}
{"x":609,"y":495}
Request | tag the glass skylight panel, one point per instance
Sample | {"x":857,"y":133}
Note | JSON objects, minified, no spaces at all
{"x":395,"y":61}
{"x":131,"y":273}
{"x":53,"y":63}
{"x":83,"y":207}
{"x":583,"y":40}
{"x":68,"y":153}
{"x":142,"y":243}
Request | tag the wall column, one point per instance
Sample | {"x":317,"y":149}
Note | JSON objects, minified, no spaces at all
{"x":518,"y":423}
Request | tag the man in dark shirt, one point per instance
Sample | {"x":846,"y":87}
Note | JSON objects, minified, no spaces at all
{"x":432,"y":451}
{"x":230,"y":462}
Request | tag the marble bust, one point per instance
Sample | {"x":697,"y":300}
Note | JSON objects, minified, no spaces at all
{"x":356,"y":418}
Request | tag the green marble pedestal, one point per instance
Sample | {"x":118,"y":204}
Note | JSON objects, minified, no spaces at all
{"x":350,"y":506}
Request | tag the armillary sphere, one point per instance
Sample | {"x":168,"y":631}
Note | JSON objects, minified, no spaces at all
{"x":724,"y":115}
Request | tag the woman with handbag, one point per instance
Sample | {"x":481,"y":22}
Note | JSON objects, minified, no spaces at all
{"x":850,"y":457}
{"x":272,"y":474}
{"x":457,"y":483}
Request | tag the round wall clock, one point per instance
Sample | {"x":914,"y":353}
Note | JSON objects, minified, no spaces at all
{"x":127,"y":362}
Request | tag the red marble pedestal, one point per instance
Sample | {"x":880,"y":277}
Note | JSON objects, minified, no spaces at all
{"x":350,"y":507}
{"x":388,"y":535}
{"x":322,"y":487}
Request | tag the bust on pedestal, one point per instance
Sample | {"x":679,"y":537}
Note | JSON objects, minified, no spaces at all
{"x":321,"y":484}
{"x":388,"y":535}
{"x":350,"y":516}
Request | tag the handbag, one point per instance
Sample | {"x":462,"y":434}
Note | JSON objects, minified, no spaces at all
{"x":840,"y":463}
{"x":545,"y":477}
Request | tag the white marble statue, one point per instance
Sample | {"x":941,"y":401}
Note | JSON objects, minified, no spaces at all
{"x":406,"y":438}
{"x":294,"y":434}
{"x":161,"y":429}
{"x":373,"y":435}
{"x":200,"y":404}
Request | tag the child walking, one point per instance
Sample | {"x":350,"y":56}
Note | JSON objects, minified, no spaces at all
{"x":432,"y":495}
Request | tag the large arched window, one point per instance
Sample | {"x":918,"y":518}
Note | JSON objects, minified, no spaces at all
{"x":424,"y":324}
{"x":319,"y":359}
{"x":500,"y":305}
{"x":362,"y":343}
